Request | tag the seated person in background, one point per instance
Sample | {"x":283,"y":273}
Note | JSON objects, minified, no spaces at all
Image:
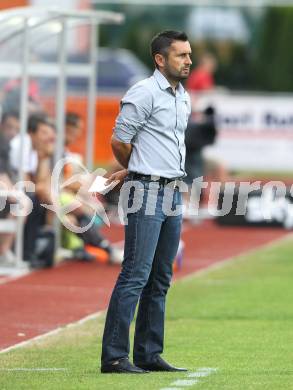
{"x":37,"y":149}
{"x":6,"y":184}
{"x":81,"y":216}
{"x":9,"y":126}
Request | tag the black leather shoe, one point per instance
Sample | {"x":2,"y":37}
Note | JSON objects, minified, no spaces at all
{"x":159,"y":364}
{"x":122,"y":366}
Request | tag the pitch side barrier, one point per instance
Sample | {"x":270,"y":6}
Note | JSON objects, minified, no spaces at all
{"x":255,"y":131}
{"x":256,"y":204}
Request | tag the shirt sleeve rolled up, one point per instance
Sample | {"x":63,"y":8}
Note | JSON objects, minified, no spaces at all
{"x":136,"y":107}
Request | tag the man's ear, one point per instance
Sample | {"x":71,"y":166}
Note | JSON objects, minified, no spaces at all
{"x":160,"y":60}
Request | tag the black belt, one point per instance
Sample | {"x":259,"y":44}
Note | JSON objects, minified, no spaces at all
{"x":158,"y":179}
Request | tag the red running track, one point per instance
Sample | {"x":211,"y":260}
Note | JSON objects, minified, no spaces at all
{"x":44,"y":300}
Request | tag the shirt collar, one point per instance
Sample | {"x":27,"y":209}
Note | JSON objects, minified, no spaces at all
{"x":164,"y":83}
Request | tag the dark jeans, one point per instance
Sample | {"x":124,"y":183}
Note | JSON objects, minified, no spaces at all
{"x":151,"y":243}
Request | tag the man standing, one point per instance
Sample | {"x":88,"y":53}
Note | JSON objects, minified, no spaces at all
{"x":148,"y":141}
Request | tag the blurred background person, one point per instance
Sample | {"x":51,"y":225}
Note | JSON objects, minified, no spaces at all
{"x":38,"y":148}
{"x":201,"y":131}
{"x":9,"y":126}
{"x":202,"y":77}
{"x":6,"y":185}
{"x":85,"y":246}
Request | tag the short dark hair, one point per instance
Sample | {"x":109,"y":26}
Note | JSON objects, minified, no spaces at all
{"x":35,"y":120}
{"x":9,"y":114}
{"x":72,"y":119}
{"x":162,"y":41}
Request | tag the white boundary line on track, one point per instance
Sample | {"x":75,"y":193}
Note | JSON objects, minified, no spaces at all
{"x":53,"y":332}
{"x":198,"y":273}
{"x":10,"y":278}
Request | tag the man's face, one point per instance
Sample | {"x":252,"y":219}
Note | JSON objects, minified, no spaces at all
{"x":44,"y":138}
{"x":10,"y":127}
{"x":176,"y":65}
{"x":72,"y":133}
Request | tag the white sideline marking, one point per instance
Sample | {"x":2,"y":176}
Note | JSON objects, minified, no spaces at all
{"x":32,"y":369}
{"x":207,"y":369}
{"x":53,"y":332}
{"x":198,"y":273}
{"x":16,"y":274}
{"x":202,"y":372}
{"x":198,"y":374}
{"x":184,"y":382}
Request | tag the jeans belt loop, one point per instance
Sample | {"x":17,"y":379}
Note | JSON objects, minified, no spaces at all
{"x":176,"y":184}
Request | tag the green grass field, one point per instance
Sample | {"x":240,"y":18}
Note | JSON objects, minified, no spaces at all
{"x":237,"y":318}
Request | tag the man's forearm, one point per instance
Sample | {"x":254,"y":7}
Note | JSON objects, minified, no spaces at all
{"x":121,"y":151}
{"x":43,"y":179}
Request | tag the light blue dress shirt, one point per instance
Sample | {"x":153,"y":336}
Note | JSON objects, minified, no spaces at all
{"x":153,"y":119}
